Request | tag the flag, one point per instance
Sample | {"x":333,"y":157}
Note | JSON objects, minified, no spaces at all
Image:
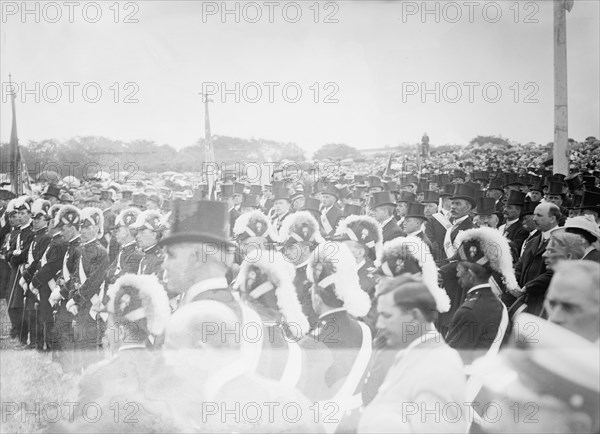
{"x":19,"y":176}
{"x":389,"y":165}
{"x":209,"y":154}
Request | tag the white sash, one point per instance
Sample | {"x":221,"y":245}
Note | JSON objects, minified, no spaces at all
{"x":448,"y":246}
{"x":65,"y":269}
{"x":325,"y":223}
{"x":441,"y":219}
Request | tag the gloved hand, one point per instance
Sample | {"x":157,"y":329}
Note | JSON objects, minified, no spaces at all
{"x":72,"y":307}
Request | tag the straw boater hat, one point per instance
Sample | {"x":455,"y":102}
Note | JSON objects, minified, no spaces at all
{"x":333,"y":269}
{"x":275,"y":274}
{"x":411,"y":255}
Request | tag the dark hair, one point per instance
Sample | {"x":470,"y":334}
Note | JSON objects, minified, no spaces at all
{"x":554,"y":211}
{"x":411,"y":293}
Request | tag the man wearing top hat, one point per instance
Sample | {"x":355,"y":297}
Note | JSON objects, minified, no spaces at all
{"x":590,"y":205}
{"x":512,"y":228}
{"x":556,"y":195}
{"x":330,"y":213}
{"x":485,"y":213}
{"x":281,"y":206}
{"x":381,"y":207}
{"x":402,"y":200}
{"x":52,"y":194}
{"x":149,"y":227}
{"x":199,"y":253}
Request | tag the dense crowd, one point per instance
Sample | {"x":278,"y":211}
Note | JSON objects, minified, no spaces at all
{"x":370,"y":298}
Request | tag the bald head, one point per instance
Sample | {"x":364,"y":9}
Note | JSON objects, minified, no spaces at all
{"x":546,"y":216}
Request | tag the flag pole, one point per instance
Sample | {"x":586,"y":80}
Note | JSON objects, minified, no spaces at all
{"x":209,"y":154}
{"x":15,"y":155}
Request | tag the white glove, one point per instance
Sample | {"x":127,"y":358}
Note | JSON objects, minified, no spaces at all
{"x":72,"y":307}
{"x":35,"y":291}
{"x":55,"y":297}
{"x":16,"y":252}
{"x":23,"y":284}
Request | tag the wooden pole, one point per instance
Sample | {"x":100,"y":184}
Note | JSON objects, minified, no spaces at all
{"x":561,"y":119}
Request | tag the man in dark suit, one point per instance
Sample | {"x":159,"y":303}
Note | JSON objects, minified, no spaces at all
{"x":108,"y":239}
{"x":199,"y":254}
{"x":531,"y":271}
{"x":330,"y":213}
{"x":149,"y":229}
{"x":512,"y":229}
{"x":382,"y":208}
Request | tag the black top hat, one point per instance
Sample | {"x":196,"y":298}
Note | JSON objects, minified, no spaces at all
{"x":512,"y":179}
{"x":406,"y":196}
{"x":238,"y":188}
{"x":447,"y":191}
{"x":529,"y":208}
{"x":416,"y":210}
{"x":576,"y":201}
{"x":590,"y":200}
{"x":430,"y":197}
{"x":226,"y":190}
{"x":199,"y":221}
{"x":281,"y":193}
{"x":391,"y":186}
{"x":589,"y":181}
{"x":422,"y":186}
{"x":537,"y":185}
{"x":516,"y":198}
{"x":555,"y":188}
{"x":6,"y":194}
{"x":250,"y":201}
{"x":126,"y":194}
{"x":485,"y":206}
{"x":375,"y":181}
{"x":380,"y":198}
{"x":52,"y":190}
{"x":496,"y":184}
{"x":106,"y":195}
{"x":256,"y":190}
{"x":466,"y":192}
{"x":140,"y":200}
{"x":574,"y":181}
{"x":312,"y":204}
{"x":331,"y":190}
{"x":350,"y":209}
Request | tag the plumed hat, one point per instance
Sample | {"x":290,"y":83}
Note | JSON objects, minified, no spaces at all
{"x":274,"y":273}
{"x":332,"y":268}
{"x":411,"y":255}
{"x":134,"y":297}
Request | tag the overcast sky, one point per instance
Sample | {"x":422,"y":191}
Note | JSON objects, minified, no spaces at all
{"x":375,"y":58}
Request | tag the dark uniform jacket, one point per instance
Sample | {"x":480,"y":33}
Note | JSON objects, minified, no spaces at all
{"x":109,"y":241}
{"x":152,"y":261}
{"x":234,"y":214}
{"x":127,"y":262}
{"x":23,"y":238}
{"x":94,"y":261}
{"x":303,"y":285}
{"x":38,"y":247}
{"x":44,"y":279}
{"x":333,"y":215}
{"x":391,"y":230}
{"x":475,"y":323}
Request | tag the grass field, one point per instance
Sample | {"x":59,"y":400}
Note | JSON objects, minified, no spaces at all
{"x":32,"y":387}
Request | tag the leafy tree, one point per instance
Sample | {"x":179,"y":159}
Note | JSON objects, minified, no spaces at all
{"x":336,"y":151}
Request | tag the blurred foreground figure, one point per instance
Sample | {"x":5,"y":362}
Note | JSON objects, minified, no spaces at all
{"x":573,"y":299}
{"x":207,"y":382}
{"x":549,"y":383}
{"x":426,"y":377}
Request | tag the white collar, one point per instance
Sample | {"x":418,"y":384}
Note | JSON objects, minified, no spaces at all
{"x":203,"y":286}
{"x":546,"y":234}
{"x":360,"y":264}
{"x":588,"y":250}
{"x":414,"y":234}
{"x":510,"y":222}
{"x":128,"y":244}
{"x":132,"y":347}
{"x":329,"y":312}
{"x":26,"y":225}
{"x":326,"y":210}
{"x":483,"y":285}
{"x":460,"y":220}
{"x":89,"y":242}
{"x":303,"y":264}
{"x":74,"y":238}
{"x":107,"y":209}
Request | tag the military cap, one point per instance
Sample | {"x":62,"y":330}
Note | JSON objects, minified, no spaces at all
{"x":127,"y":217}
{"x":67,"y":215}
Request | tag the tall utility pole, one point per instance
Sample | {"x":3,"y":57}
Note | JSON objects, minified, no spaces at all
{"x":561,"y":113}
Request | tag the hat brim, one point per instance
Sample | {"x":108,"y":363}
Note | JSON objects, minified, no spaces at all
{"x":416,"y":217}
{"x":195,"y":237}
{"x":467,"y":198}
